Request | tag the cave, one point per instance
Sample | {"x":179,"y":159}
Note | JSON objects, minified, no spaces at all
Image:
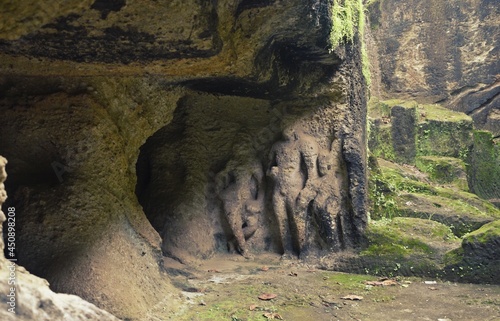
{"x":210,"y":130}
{"x":147,"y":145}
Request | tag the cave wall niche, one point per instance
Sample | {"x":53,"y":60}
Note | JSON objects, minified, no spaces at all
{"x":205,"y":182}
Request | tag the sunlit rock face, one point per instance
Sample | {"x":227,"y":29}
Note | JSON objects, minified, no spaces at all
{"x":441,"y":51}
{"x":140,"y":128}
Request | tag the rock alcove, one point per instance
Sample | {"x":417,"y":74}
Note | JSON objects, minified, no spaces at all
{"x":264,"y":175}
{"x":207,"y":120}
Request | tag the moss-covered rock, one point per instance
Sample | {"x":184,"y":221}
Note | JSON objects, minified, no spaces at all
{"x":484,"y":166}
{"x":401,"y":130}
{"x":380,"y":139}
{"x":402,"y":190}
{"x":444,"y":170}
{"x":459,"y":215}
{"x":407,"y":246}
{"x":442,"y":132}
{"x":387,"y":181}
{"x":478,"y":260}
{"x":484,"y":242}
{"x":472,"y":199}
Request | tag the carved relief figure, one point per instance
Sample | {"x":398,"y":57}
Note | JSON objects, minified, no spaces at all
{"x":326,"y":207}
{"x":293,"y":169}
{"x":240,"y":189}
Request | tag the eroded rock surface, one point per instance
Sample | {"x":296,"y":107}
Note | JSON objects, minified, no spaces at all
{"x":27,"y":297}
{"x":221,"y":147}
{"x":447,"y":52}
{"x":201,"y":91}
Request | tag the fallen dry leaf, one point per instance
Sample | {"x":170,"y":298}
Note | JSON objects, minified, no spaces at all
{"x":270,"y":315}
{"x":265,"y":268}
{"x":389,"y":282}
{"x":267,"y":296}
{"x":432,"y":288}
{"x":352,"y":297}
{"x":252,"y":307}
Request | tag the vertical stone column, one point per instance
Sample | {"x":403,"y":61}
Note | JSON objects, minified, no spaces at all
{"x":404,"y":120}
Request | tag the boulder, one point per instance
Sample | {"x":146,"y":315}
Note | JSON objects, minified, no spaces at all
{"x":478,"y":260}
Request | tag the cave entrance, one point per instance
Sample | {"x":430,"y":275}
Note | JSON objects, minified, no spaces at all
{"x":180,"y":169}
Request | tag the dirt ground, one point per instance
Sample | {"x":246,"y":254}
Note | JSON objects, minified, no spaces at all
{"x":228,"y":288}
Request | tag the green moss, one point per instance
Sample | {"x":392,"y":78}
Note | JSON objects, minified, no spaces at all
{"x":383,"y":108}
{"x":380,"y":142}
{"x":226,"y":310}
{"x":396,"y":190}
{"x":443,"y":170}
{"x":347,"y":280}
{"x":487,"y":233}
{"x":388,"y":238}
{"x":398,"y":181}
{"x":440,"y":132}
{"x":233,"y":306}
{"x":454,"y":256}
{"x":458,"y":205}
{"x":387,"y":184}
{"x":406,"y":246}
{"x":439,"y":113}
{"x":444,"y":156}
{"x":471,"y":199}
{"x":478,"y":260}
{"x":348,"y":17}
{"x":456,"y":213}
{"x":442,"y":138}
{"x":382,"y":201}
{"x":484,"y":166}
{"x":424,"y":229}
{"x":392,"y":133}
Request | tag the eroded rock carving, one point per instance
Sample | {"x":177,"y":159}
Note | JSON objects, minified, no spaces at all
{"x":293,"y":169}
{"x":241,"y":191}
